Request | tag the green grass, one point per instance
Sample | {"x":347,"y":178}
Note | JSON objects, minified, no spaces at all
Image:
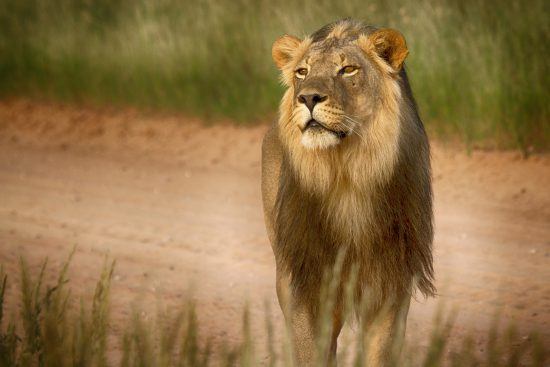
{"x":52,"y":328}
{"x":479,"y":69}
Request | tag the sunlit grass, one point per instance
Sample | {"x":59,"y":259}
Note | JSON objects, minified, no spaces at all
{"x":478,"y":68}
{"x":52,"y":331}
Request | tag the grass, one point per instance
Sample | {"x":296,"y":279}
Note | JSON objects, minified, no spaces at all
{"x":479,"y":69}
{"x":52,"y":330}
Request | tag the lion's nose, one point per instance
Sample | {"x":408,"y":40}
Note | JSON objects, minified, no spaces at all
{"x":310,"y":100}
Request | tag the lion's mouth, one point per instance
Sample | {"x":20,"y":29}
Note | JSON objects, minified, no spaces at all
{"x":316,"y":125}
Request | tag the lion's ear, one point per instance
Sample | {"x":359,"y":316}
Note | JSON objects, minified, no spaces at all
{"x":283,"y":48}
{"x":390,"y":45}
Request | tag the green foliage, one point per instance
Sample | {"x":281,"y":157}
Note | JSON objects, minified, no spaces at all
{"x":56,"y":334}
{"x":51,"y":335}
{"x":8,"y":338}
{"x":478,"y":68}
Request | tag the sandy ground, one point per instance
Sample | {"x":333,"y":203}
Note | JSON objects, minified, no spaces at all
{"x":177,"y":204}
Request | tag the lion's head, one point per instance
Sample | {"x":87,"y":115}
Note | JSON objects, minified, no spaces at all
{"x":343,"y":98}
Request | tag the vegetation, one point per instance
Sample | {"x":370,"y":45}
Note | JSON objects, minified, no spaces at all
{"x":53,"y":331}
{"x":479,"y":69}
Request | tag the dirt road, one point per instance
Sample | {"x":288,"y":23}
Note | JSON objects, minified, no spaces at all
{"x":177,"y":203}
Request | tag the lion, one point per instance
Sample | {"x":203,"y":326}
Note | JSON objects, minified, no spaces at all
{"x":346,"y":167}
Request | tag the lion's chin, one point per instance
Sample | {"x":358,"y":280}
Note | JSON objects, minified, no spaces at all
{"x":319,"y":139}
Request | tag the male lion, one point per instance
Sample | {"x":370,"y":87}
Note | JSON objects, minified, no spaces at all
{"x":347,"y":167}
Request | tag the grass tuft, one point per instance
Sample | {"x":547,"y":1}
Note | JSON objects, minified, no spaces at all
{"x":54,"y":333}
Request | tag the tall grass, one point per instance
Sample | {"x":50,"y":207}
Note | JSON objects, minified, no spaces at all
{"x":478,"y":67}
{"x":52,"y":330}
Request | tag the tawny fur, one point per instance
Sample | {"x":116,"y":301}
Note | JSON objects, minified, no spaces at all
{"x":370,"y":194}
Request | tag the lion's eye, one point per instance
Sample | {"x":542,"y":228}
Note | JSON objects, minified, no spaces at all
{"x":349,"y":70}
{"x":301,"y":73}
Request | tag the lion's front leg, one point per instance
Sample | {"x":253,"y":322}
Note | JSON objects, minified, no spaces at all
{"x":303,"y":335}
{"x":298,"y":320}
{"x":301,"y":324}
{"x":384,"y":333}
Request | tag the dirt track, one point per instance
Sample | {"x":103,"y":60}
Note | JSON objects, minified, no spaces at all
{"x":178,"y":203}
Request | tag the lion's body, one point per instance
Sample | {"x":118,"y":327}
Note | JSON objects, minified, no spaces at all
{"x":369,"y":195}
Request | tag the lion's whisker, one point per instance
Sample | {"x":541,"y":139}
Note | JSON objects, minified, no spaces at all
{"x":349,"y":119}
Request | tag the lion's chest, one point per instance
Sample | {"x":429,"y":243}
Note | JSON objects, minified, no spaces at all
{"x":350,"y":215}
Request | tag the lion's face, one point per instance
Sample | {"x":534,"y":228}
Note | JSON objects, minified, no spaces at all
{"x":337,"y":83}
{"x":333,"y":87}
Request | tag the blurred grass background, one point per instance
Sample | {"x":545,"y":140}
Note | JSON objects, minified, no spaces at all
{"x":478,"y":67}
